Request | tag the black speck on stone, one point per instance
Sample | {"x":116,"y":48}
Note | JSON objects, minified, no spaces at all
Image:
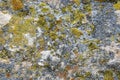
{"x":111,"y":54}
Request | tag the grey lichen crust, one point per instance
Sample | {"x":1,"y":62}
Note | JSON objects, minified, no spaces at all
{"x":59,"y":40}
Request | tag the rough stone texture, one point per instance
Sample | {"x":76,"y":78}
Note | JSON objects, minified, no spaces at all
{"x":60,"y":40}
{"x":104,"y":19}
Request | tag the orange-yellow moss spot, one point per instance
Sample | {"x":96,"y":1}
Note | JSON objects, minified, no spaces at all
{"x":17,"y":4}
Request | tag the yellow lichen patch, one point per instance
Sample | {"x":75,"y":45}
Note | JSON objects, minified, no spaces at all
{"x":42,"y":43}
{"x":42,"y":4}
{"x":58,"y":22}
{"x":92,"y":27}
{"x":108,"y":75}
{"x":24,"y":27}
{"x":18,"y":40}
{"x":62,"y":36}
{"x":87,"y":41}
{"x":87,"y":74}
{"x":77,"y":2}
{"x":15,"y":20}
{"x":77,"y":16}
{"x":76,"y":32}
{"x":44,"y":10}
{"x":92,"y":46}
{"x":32,"y":11}
{"x":4,"y":54}
{"x":91,"y":30}
{"x":2,"y":40}
{"x":80,"y":76}
{"x":53,"y":35}
{"x":88,"y":32}
{"x":41,"y":21}
{"x":88,"y":8}
{"x":67,"y":8}
{"x":117,"y":6}
{"x":67,"y":18}
{"x":17,"y":4}
{"x":51,"y":16}
{"x":81,"y":57}
{"x":21,"y":27}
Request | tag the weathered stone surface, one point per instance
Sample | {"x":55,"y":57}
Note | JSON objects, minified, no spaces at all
{"x":104,"y":19}
{"x":60,"y":40}
{"x":4,"y":19}
{"x":118,"y":16}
